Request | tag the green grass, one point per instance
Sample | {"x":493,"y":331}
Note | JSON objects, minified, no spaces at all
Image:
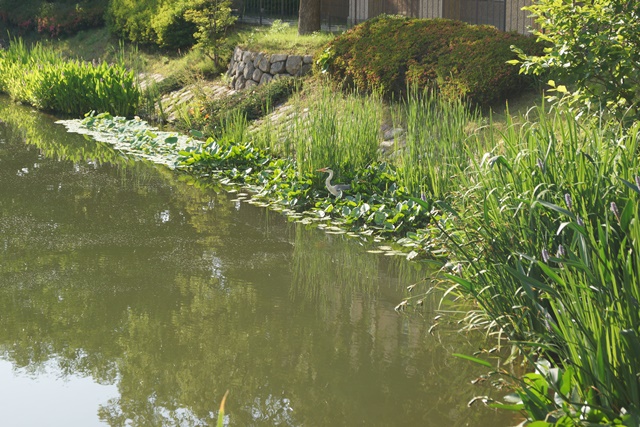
{"x":437,"y":145}
{"x":280,"y":38}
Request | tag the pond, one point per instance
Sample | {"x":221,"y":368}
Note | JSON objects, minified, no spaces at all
{"x":130,"y":296}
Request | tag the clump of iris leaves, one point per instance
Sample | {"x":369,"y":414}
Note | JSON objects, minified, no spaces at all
{"x":376,"y":205}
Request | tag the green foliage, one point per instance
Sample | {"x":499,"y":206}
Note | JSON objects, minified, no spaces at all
{"x":131,"y":19}
{"x":339,"y":131}
{"x":594,"y":50}
{"x":436,"y":129}
{"x":40,"y":77}
{"x":251,"y":104}
{"x":546,"y":235}
{"x":461,"y":60}
{"x":53,"y":19}
{"x":173,"y":24}
{"x":172,"y":30}
{"x":278,"y":27}
{"x":212,"y":18}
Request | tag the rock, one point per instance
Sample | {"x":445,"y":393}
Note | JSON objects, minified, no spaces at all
{"x":248,"y":70}
{"x":266,"y":78}
{"x":264,"y":64}
{"x":277,"y":67}
{"x":278,"y":57}
{"x":237,"y":54}
{"x":390,"y":135}
{"x":387,"y":146}
{"x":246,"y":57}
{"x":307,"y":59}
{"x":239,"y":83}
{"x":293,"y":64}
{"x":306,"y":68}
{"x":249,"y":84}
{"x":256,"y":61}
{"x":241,"y":66}
{"x":257,"y":75}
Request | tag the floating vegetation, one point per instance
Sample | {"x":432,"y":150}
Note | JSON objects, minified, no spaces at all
{"x":134,"y":137}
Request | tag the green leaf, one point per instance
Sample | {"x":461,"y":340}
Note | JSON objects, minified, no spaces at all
{"x":555,"y":207}
{"x":196,"y":133}
{"x":537,"y":384}
{"x":632,"y":186}
{"x":518,"y":407}
{"x":423,"y":203}
{"x":627,"y":215}
{"x":473,"y":359}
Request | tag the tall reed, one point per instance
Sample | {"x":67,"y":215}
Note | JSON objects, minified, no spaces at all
{"x":437,"y":146}
{"x":42,"y":78}
{"x":337,"y":131}
{"x":547,"y":231}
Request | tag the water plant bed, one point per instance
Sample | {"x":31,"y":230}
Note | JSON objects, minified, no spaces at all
{"x":135,"y":137}
{"x":376,"y":207}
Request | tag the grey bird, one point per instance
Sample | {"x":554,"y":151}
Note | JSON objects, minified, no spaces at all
{"x":337,"y":189}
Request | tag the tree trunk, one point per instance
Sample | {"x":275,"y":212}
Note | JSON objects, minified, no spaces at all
{"x":309,"y":16}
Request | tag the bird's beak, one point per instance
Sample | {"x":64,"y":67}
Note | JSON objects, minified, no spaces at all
{"x":321,"y":170}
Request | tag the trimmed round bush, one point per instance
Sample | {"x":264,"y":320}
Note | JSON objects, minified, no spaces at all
{"x":390,"y":53}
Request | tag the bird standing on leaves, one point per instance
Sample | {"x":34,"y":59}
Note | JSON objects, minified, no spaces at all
{"x":337,"y":189}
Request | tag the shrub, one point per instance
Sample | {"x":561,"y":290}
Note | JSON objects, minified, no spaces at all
{"x":461,"y":60}
{"x":172,"y":30}
{"x":594,"y":49}
{"x":57,"y":19}
{"x":132,"y":19}
{"x":211,"y":18}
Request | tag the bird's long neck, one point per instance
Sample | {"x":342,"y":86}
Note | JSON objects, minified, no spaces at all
{"x":328,"y":180}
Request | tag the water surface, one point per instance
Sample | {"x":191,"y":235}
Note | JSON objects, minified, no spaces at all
{"x":131,"y":297}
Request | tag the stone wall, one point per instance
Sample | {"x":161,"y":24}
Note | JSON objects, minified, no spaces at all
{"x":248,"y":69}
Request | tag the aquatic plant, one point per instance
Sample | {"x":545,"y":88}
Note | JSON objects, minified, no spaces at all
{"x":40,"y":77}
{"x":546,"y":230}
{"x":437,"y":142}
{"x":341,"y":131}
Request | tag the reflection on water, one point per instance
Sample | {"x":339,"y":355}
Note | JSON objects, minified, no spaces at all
{"x":117,"y":273}
{"x":66,"y":400}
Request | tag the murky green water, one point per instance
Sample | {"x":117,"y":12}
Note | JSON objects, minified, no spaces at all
{"x":130,"y":298}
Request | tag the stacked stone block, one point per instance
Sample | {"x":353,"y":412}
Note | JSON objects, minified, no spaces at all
{"x":248,"y":69}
